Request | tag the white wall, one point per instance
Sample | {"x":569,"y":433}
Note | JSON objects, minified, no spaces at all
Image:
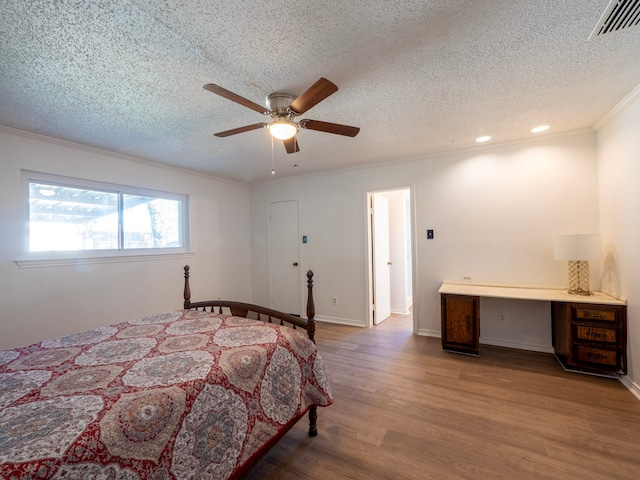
{"x":619,"y":177}
{"x":46,"y":302}
{"x":495,"y":211}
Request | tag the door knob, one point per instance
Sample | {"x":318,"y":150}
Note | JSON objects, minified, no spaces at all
{"x":295,"y":264}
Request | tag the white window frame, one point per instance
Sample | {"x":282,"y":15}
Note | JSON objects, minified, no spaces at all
{"x":73,"y":257}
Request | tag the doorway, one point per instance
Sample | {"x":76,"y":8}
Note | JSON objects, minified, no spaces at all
{"x":390,"y":248}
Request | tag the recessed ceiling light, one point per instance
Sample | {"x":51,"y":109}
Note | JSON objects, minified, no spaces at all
{"x":486,"y":138}
{"x":541,"y":128}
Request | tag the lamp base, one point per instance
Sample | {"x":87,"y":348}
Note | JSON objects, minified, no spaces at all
{"x":579,"y":292}
{"x":579,"y":277}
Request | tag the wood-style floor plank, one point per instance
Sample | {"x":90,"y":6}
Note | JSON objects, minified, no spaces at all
{"x":404,"y":409}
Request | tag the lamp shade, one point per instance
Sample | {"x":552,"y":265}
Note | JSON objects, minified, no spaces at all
{"x":578,"y":247}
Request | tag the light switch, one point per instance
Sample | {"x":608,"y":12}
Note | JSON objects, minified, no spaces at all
{"x":429,"y":234}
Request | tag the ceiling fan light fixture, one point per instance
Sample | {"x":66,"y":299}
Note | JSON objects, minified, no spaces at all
{"x":283,"y":129}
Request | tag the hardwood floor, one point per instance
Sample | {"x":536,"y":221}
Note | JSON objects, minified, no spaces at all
{"x":404,"y":409}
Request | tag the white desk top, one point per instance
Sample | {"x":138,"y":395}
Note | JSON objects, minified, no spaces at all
{"x":526,"y":293}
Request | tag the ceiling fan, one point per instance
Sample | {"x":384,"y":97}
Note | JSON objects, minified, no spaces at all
{"x":283,"y":109}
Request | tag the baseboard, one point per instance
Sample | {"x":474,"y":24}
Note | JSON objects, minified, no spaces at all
{"x":341,"y":321}
{"x":429,"y":333}
{"x":633,"y":387}
{"x":520,"y":346}
{"x":495,"y":342}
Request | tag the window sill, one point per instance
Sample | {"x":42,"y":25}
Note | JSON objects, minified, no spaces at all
{"x":70,"y":261}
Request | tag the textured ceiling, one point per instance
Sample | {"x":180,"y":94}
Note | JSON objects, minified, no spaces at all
{"x":418,"y":77}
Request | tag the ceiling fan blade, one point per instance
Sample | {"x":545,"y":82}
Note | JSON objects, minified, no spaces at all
{"x":236,"y":98}
{"x":291,"y":145}
{"x":328,"y":127}
{"x":314,"y":95}
{"x":246,"y":128}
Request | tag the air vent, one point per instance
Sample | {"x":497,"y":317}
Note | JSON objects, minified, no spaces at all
{"x":618,"y":15}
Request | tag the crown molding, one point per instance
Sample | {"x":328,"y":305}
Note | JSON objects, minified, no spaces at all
{"x":631,"y":96}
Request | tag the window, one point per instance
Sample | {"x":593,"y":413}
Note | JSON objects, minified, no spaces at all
{"x":70,"y":215}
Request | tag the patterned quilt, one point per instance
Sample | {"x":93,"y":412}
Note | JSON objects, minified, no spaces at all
{"x":179,"y":395}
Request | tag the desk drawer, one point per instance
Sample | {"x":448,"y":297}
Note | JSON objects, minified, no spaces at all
{"x":596,"y":333}
{"x":597,"y":356}
{"x":595,"y":314}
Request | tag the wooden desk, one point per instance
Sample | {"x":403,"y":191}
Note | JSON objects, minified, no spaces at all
{"x":589,"y":332}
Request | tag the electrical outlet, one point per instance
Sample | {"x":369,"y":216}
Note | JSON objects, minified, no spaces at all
{"x":502,"y":317}
{"x":334,"y":300}
{"x":466,"y":278}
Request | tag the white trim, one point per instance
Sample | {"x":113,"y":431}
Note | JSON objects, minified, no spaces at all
{"x":341,"y":321}
{"x":442,"y":155}
{"x":368,"y":192}
{"x":517,"y":345}
{"x":622,"y":104}
{"x":429,"y":333}
{"x":495,"y":343}
{"x":633,"y":387}
{"x":70,"y":261}
{"x":110,"y":153}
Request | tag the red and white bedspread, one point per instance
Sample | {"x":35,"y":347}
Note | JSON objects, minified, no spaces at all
{"x":179,"y":395}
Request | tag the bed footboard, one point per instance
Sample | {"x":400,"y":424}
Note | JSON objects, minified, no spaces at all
{"x":248,"y":310}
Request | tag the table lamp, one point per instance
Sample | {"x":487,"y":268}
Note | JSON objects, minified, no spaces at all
{"x":578,"y":250}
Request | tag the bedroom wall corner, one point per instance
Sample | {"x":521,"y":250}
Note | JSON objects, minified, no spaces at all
{"x":618,"y":173}
{"x":47,"y":302}
{"x":495,"y":211}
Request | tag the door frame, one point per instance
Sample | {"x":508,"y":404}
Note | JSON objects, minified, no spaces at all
{"x":414,"y":251}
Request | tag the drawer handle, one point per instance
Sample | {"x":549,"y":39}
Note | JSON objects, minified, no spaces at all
{"x":596,"y":357}
{"x":595,"y":316}
{"x":596,"y":334}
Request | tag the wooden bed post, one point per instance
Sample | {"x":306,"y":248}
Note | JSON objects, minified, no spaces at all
{"x":187,"y":289}
{"x":311,"y":309}
{"x":313,"y":421}
{"x":311,"y":313}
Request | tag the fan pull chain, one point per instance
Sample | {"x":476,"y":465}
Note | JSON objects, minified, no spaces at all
{"x":273,"y":171}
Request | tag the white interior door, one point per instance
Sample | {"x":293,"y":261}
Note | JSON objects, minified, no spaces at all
{"x":284,"y":271}
{"x":381,"y":260}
